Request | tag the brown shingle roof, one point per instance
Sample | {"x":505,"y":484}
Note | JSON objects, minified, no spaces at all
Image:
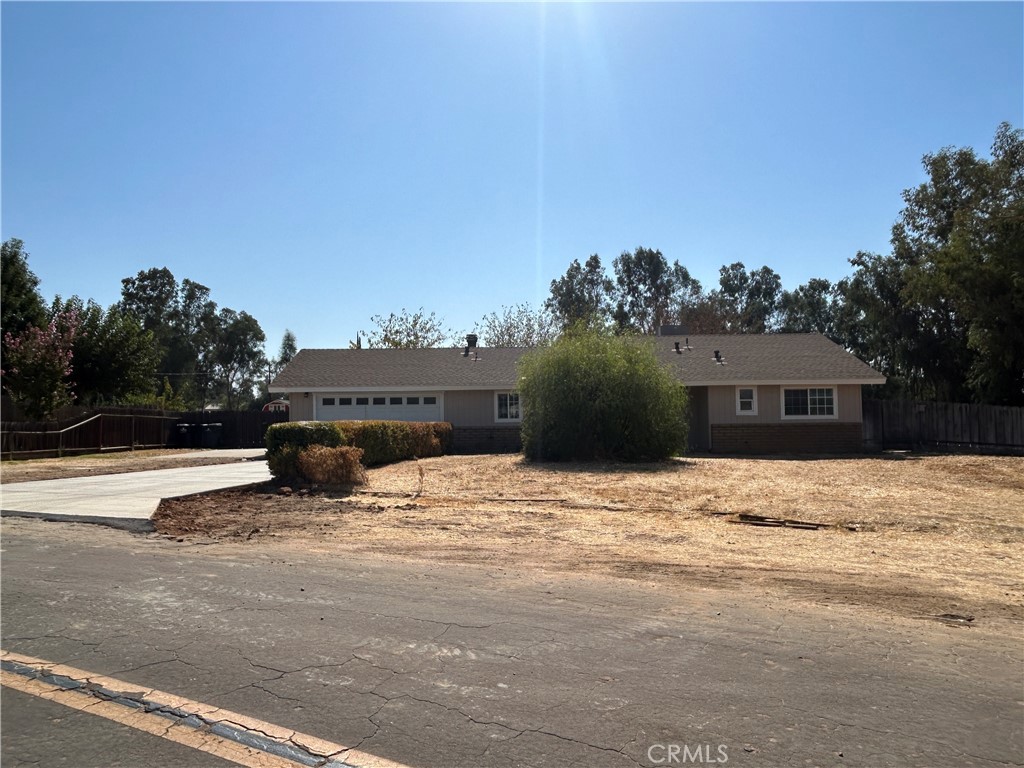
{"x":766,"y":359}
{"x":313,"y":369}
{"x":769,"y":358}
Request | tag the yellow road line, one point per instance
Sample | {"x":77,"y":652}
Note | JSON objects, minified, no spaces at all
{"x":182,"y":734}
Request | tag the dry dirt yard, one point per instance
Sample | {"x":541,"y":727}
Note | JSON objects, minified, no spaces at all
{"x":917,"y":536}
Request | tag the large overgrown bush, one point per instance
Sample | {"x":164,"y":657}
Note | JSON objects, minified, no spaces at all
{"x":593,"y":395}
{"x":385,"y":442}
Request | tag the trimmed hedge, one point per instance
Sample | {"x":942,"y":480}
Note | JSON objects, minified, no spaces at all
{"x":378,"y":442}
{"x":287,"y":440}
{"x":385,"y":442}
{"x":303,"y":434}
{"x":284,"y":462}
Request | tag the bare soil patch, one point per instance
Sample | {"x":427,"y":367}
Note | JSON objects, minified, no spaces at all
{"x":916,"y":535}
{"x":108,"y":464}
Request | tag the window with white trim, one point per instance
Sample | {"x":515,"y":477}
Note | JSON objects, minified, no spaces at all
{"x":746,"y":401}
{"x":328,"y":401}
{"x":809,"y":402}
{"x":507,"y":407}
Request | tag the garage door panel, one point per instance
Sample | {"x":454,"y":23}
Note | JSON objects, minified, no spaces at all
{"x":395,"y":408}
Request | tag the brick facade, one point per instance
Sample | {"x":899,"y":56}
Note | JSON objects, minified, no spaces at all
{"x":486,"y":440}
{"x":800,"y":437}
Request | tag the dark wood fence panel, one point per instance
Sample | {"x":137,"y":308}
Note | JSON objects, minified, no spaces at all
{"x":105,"y":430}
{"x":905,"y":424}
{"x":225,"y":429}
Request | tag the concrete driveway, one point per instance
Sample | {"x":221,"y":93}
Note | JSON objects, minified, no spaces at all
{"x":125,"y":500}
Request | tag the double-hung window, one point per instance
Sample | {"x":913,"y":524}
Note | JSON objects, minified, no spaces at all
{"x":507,"y":407}
{"x":746,"y":401}
{"x":809,"y":403}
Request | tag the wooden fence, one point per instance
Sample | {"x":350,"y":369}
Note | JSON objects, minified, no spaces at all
{"x":904,"y":424}
{"x":119,"y":429}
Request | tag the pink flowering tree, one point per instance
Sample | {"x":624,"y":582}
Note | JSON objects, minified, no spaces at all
{"x":37,"y":369}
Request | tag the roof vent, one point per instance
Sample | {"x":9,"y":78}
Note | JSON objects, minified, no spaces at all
{"x":471,"y":340}
{"x":718,"y":357}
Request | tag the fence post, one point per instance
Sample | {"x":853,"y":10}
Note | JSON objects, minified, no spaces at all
{"x":133,"y":432}
{"x":101,"y":433}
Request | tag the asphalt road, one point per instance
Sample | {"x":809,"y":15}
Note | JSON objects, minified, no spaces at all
{"x":450,"y":667}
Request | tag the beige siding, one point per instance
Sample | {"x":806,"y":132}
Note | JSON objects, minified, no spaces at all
{"x":722,"y":405}
{"x":849,"y":402}
{"x":300,"y":407}
{"x":469,"y":408}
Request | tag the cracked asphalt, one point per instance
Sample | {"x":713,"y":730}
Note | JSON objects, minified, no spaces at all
{"x":472,"y":666}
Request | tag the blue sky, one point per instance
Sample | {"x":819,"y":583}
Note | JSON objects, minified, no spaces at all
{"x":315,"y":164}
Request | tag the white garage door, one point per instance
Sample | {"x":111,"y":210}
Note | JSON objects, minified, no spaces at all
{"x":385,"y":406}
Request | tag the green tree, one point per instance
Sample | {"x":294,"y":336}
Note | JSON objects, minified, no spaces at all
{"x":593,"y":395}
{"x":960,"y":239}
{"x":814,"y":307}
{"x":115,"y":360}
{"x":152,"y":298}
{"x":518,"y":326}
{"x":582,"y":295}
{"x":943,"y":314}
{"x":289,"y":347}
{"x":184,"y":323}
{"x":21,"y":305}
{"x":749,"y":299}
{"x":185,"y":326}
{"x":166,"y":399}
{"x":237,"y":357}
{"x":646,"y":290}
{"x":416,"y":330}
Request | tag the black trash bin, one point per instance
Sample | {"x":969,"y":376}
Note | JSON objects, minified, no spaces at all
{"x":211,"y":435}
{"x":184,"y":435}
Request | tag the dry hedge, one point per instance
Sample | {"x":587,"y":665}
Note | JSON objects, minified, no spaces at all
{"x":332,"y":466}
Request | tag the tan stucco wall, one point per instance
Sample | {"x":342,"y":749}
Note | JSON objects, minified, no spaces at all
{"x":722,"y":405}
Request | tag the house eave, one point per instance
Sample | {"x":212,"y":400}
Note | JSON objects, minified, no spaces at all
{"x":804,"y":381}
{"x":823,"y":381}
{"x":390,"y":388}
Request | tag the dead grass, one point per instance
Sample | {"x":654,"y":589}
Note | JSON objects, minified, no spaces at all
{"x":935,"y":534}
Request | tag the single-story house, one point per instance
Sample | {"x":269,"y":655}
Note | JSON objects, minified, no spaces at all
{"x":772,"y":393}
